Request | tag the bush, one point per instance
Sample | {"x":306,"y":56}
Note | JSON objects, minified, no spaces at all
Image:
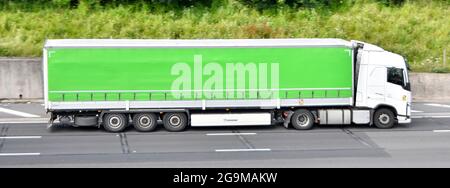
{"x":440,"y":69}
{"x":32,"y":5}
{"x":265,"y":4}
{"x":392,"y":2}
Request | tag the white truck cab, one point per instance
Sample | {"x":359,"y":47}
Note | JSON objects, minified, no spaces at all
{"x":382,"y":85}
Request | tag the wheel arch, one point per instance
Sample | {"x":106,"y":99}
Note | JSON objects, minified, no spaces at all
{"x":380,"y":106}
{"x":385,"y":106}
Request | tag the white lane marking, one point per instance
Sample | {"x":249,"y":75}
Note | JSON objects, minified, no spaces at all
{"x":438,"y":105}
{"x":228,"y":134}
{"x":238,"y":150}
{"x":20,"y":137}
{"x":19,"y":154}
{"x":42,"y":104}
{"x":23,"y":120}
{"x":441,"y":131}
{"x":416,"y":111}
{"x":17,"y":113}
{"x":424,"y":117}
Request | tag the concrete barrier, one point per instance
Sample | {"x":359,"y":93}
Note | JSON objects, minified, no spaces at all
{"x":22,"y":77}
{"x":430,"y":87}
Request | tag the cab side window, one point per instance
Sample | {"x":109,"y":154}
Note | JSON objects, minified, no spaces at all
{"x":395,"y":76}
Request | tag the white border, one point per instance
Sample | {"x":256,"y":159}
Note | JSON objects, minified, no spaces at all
{"x":45,"y":71}
{"x":168,"y":43}
{"x":201,"y":104}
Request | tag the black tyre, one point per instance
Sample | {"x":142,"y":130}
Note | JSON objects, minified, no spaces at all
{"x":145,"y":122}
{"x":115,"y":122}
{"x":175,"y":122}
{"x":302,"y":119}
{"x":384,"y":118}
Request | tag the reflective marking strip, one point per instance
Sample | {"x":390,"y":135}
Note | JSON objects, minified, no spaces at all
{"x":19,"y":154}
{"x":20,"y":137}
{"x":238,"y":150}
{"x":229,"y":134}
{"x":17,"y":113}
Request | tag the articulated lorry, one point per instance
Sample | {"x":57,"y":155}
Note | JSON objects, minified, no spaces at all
{"x":298,"y":83}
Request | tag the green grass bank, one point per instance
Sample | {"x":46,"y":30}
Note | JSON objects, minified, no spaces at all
{"x":419,"y":30}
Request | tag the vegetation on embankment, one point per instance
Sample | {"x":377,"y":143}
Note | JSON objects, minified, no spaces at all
{"x":419,"y":30}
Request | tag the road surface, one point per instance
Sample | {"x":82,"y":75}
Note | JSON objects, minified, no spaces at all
{"x":26,"y":142}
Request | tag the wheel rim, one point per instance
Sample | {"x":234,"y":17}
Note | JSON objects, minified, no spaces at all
{"x":302,"y":120}
{"x":115,"y":122}
{"x":175,"y":121}
{"x":145,"y":121}
{"x":384,"y":119}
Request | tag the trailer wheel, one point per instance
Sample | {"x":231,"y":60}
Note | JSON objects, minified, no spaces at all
{"x":115,"y":122}
{"x":302,"y":119}
{"x":175,"y":122}
{"x":145,"y":122}
{"x":383,"y":118}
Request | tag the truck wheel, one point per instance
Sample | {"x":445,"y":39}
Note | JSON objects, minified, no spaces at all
{"x":384,"y":118}
{"x":175,"y":121}
{"x":115,"y":122}
{"x":302,"y":120}
{"x":145,"y":122}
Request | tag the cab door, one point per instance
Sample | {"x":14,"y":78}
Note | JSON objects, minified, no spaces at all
{"x":376,"y":87}
{"x":396,"y":95}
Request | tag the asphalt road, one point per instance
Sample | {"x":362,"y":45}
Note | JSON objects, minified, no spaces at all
{"x":423,"y":143}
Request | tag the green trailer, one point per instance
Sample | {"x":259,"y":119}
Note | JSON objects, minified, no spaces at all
{"x":234,"y":82}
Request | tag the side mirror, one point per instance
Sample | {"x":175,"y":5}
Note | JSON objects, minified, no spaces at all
{"x":407,"y":86}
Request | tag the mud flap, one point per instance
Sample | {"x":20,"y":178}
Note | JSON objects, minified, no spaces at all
{"x":288,"y":119}
{"x":51,"y":120}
